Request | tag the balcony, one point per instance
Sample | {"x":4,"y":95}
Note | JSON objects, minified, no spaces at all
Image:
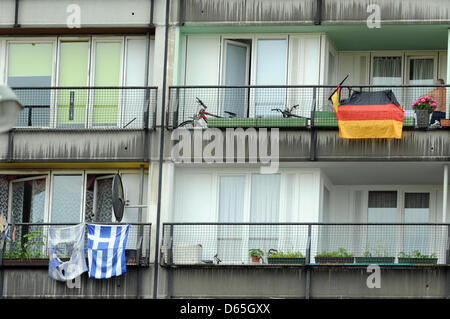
{"x":305,"y":244}
{"x":87,"y":108}
{"x":30,"y":242}
{"x":261,"y":106}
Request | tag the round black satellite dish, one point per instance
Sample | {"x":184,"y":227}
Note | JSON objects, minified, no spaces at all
{"x":118,"y":199}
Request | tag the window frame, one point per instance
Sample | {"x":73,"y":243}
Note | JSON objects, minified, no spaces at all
{"x":25,"y":179}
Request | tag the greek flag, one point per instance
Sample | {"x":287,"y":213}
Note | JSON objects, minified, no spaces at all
{"x":106,"y":250}
{"x":65,"y":242}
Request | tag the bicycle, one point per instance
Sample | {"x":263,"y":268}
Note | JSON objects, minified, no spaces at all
{"x":287,"y":112}
{"x":202,"y":115}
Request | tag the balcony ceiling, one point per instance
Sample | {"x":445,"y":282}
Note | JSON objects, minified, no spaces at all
{"x":389,"y":37}
{"x":419,"y":173}
{"x":352,"y":37}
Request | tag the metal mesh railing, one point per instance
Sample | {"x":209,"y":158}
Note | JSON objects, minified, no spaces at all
{"x":260,"y":106}
{"x":112,"y":108}
{"x":304,"y":243}
{"x":30,"y":241}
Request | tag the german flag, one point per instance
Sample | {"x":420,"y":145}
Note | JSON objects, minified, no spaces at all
{"x":369,"y":115}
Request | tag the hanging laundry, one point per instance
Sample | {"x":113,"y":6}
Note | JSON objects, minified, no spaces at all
{"x":106,"y":250}
{"x":62,"y":243}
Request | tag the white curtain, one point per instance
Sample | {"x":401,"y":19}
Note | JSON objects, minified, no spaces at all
{"x":230,"y":239}
{"x":387,"y":71}
{"x":264,"y":208}
{"x":420,"y":73}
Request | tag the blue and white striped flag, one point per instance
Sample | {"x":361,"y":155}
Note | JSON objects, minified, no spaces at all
{"x":106,"y":250}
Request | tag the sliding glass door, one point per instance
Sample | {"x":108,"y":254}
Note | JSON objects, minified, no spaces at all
{"x":73,"y":71}
{"x":270,"y":70}
{"x":31,"y":65}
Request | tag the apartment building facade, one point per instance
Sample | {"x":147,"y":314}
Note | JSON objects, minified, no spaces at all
{"x":114,"y":94}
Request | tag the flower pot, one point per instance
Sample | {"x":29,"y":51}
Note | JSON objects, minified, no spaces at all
{"x":374,"y":260}
{"x":334,"y":260}
{"x":286,"y":260}
{"x":417,"y":261}
{"x":422,"y":118}
{"x":445,"y":122}
{"x":255,"y":259}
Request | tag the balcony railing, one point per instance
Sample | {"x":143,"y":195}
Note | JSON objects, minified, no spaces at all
{"x":255,"y":106}
{"x":30,"y":243}
{"x":230,"y":243}
{"x":110,"y":108}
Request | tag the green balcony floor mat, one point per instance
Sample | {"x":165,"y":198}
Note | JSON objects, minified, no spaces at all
{"x":257,"y":122}
{"x":231,"y":122}
{"x":282,"y":122}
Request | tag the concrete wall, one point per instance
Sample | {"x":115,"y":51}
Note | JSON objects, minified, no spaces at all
{"x":290,"y":11}
{"x":289,"y":282}
{"x":35,"y":283}
{"x":93,"y":13}
{"x":74,"y":146}
{"x":294,"y":146}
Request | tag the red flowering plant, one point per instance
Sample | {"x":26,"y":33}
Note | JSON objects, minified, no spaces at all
{"x":424,"y":103}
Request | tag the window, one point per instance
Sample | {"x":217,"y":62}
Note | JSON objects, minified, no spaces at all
{"x":99,"y":198}
{"x":387,"y":70}
{"x":417,"y":210}
{"x":421,"y":71}
{"x":73,"y":71}
{"x":264,"y":208}
{"x":27,"y":204}
{"x":67,"y":197}
{"x":30,"y":65}
{"x":231,"y":210}
{"x":107,"y":73}
{"x":382,"y":209}
{"x":236,"y":73}
{"x":270,"y":70}
{"x":28,"y":197}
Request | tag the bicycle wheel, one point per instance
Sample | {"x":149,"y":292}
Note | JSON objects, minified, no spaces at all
{"x":186,"y":123}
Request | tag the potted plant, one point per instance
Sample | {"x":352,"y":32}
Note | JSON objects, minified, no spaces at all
{"x":340,"y":256}
{"x":256,"y":255}
{"x":28,"y":253}
{"x":423,"y":107}
{"x":375,"y":258}
{"x":416,"y":258}
{"x":279,"y":257}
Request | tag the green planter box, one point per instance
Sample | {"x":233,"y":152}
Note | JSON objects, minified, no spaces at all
{"x":374,"y":260}
{"x":335,"y":260}
{"x":325,"y":119}
{"x":328,"y":119}
{"x":286,"y":260}
{"x":409,"y":122}
{"x":417,"y":261}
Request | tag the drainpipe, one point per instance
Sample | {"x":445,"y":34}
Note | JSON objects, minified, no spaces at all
{"x":16,"y":15}
{"x":445,"y":195}
{"x":161,"y":153}
{"x":140,"y":231}
{"x":318,"y":17}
